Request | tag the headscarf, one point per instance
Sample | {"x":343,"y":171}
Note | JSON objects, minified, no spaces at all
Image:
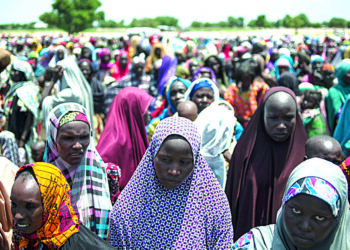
{"x":199,"y":71}
{"x":168,"y":89}
{"x":216,"y":125}
{"x":45,"y":57}
{"x":5,"y":57}
{"x":325,"y":181}
{"x":125,"y":131}
{"x":337,"y":95}
{"x":38,"y":45}
{"x":153,"y":58}
{"x":60,"y":220}
{"x":342,"y":131}
{"x":9,"y":148}
{"x":104,"y":66}
{"x":201,"y":83}
{"x":166,"y":70}
{"x":194,"y":215}
{"x":259,"y":168}
{"x":73,"y":88}
{"x":88,"y":180}
{"x":54,"y":59}
{"x":117,"y":72}
{"x":289,"y":80}
{"x":283,"y":61}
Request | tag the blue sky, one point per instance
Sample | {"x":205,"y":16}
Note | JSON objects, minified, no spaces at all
{"x":24,"y":11}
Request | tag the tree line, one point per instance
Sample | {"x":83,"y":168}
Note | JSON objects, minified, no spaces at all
{"x":78,"y":15}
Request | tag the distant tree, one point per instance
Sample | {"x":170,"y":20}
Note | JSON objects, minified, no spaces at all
{"x":316,"y":25}
{"x":232,"y":22}
{"x":337,"y":22}
{"x":167,"y":20}
{"x":111,"y":24}
{"x":252,"y":23}
{"x":240,"y":22}
{"x":196,"y":24}
{"x":73,"y":15}
{"x":300,"y":21}
{"x":287,"y":21}
{"x":261,"y":21}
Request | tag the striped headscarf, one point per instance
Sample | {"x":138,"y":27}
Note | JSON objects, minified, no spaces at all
{"x":88,"y":180}
{"x":60,"y":220}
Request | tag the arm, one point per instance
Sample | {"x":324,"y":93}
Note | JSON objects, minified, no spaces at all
{"x":26,"y":131}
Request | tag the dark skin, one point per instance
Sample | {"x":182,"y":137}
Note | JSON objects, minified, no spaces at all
{"x":72,"y":140}
{"x":123,"y":61}
{"x":280,"y":116}
{"x":307,"y":220}
{"x":328,"y":78}
{"x":173,"y":162}
{"x":346,"y":78}
{"x":86,"y":69}
{"x":193,"y":66}
{"x":203,"y":97}
{"x":106,"y":58}
{"x":26,"y":206}
{"x":177,"y":93}
{"x":311,"y":100}
{"x":187,"y":109}
{"x":85,"y":54}
{"x":138,"y":69}
{"x":60,"y":54}
{"x":214,"y":64}
{"x":38,"y":150}
{"x":324,"y":147}
{"x":57,"y":75}
{"x":282,"y":69}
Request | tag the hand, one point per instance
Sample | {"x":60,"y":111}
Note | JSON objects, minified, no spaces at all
{"x":4,"y":243}
{"x":58,"y":73}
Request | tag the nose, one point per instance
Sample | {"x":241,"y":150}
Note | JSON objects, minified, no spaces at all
{"x":18,"y":215}
{"x":178,"y":96}
{"x":205,"y":99}
{"x":174,"y":170}
{"x":305,"y":225}
{"x":77,"y":145}
{"x":281,"y":126}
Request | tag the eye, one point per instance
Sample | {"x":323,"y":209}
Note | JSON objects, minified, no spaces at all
{"x":13,"y":205}
{"x":320,"y":218}
{"x":30,"y":206}
{"x":296,"y":211}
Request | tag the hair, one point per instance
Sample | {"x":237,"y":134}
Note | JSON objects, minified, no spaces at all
{"x":26,"y":174}
{"x":318,"y":140}
{"x":245,"y":68}
{"x":315,"y":94}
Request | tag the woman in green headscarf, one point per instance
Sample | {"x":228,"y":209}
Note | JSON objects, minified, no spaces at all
{"x":314,"y":213}
{"x":337,"y":94}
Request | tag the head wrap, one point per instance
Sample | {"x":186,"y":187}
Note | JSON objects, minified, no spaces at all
{"x":198,"y":74}
{"x":202,"y":83}
{"x":25,"y":68}
{"x":60,"y":220}
{"x":168,"y":90}
{"x":328,"y":66}
{"x":88,"y":180}
{"x":73,"y":116}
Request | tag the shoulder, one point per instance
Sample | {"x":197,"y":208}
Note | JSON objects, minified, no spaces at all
{"x":85,"y":239}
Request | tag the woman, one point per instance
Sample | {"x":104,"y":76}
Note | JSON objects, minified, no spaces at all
{"x":276,"y":137}
{"x":246,"y":95}
{"x":175,"y":92}
{"x":337,"y":95}
{"x":124,"y":138}
{"x":342,"y":131}
{"x":21,"y":105}
{"x":73,"y":88}
{"x":173,"y":200}
{"x":43,"y":215}
{"x":216,"y":126}
{"x":204,"y":72}
{"x":70,"y":147}
{"x":202,"y":92}
{"x":105,"y":63}
{"x":60,"y":54}
{"x":314,"y":212}
{"x":121,"y":67}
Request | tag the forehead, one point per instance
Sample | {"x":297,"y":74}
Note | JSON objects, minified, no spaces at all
{"x":311,"y":203}
{"x":73,"y":126}
{"x":280,"y":100}
{"x":204,"y":90}
{"x":177,"y":84}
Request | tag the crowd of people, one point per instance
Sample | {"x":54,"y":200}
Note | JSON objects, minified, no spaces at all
{"x":174,"y":142}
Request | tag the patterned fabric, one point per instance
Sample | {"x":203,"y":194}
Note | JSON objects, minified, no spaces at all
{"x":25,"y":68}
{"x":88,"y":180}
{"x":316,"y":187}
{"x":345,"y":166}
{"x":73,"y":116}
{"x":113,"y":174}
{"x":246,"y":108}
{"x":243,"y":242}
{"x":60,"y":220}
{"x":194,"y":215}
{"x":112,"y":90}
{"x":9,"y":148}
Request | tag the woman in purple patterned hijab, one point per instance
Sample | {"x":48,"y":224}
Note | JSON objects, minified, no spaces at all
{"x":173,"y":200}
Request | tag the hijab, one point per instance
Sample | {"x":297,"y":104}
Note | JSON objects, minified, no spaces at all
{"x":166,"y":71}
{"x":202,"y":83}
{"x":60,"y":220}
{"x":216,"y":125}
{"x":88,"y":180}
{"x":321,"y":179}
{"x":195,"y":215}
{"x":124,"y":139}
{"x":259,"y":168}
{"x":117,"y":72}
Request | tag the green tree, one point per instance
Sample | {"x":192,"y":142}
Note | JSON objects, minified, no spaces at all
{"x":232,"y":22}
{"x":337,"y":22}
{"x":73,"y":15}
{"x":287,"y":21}
{"x":240,"y":22}
{"x":196,"y":24}
{"x":261,"y":21}
{"x":300,"y":21}
{"x":167,"y":20}
{"x":252,"y":23}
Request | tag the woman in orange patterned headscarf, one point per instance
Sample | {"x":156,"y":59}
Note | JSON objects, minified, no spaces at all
{"x":43,"y":213}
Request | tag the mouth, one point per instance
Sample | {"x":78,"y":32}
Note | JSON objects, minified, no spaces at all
{"x":76,"y":154}
{"x":22,"y":226}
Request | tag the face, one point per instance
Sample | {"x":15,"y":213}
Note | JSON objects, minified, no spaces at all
{"x":177,"y":93}
{"x":26,"y":206}
{"x":282,"y":69}
{"x":310,"y":101}
{"x":203,"y":97}
{"x":138,"y":69}
{"x":38,"y":153}
{"x":279,"y":116}
{"x":72,"y":140}
{"x":173,"y":162}
{"x":86,"y":69}
{"x":193,"y":67}
{"x":317,"y":66}
{"x":106,"y":58}
{"x":86,"y":53}
{"x":123,"y":61}
{"x":346,"y":78}
{"x":60,"y":54}
{"x":328,"y":77}
{"x":157,"y":52}
{"x":214,"y":65}
{"x":307,"y":220}
{"x":329,"y":151}
{"x":247,"y":80}
{"x":17,"y":76}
